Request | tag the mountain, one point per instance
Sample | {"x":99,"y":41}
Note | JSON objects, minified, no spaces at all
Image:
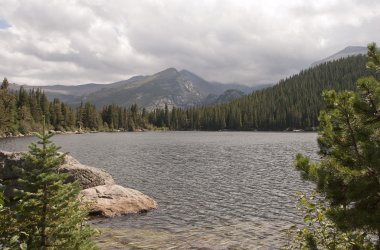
{"x":170,"y":86}
{"x":348,"y":51}
{"x":167,"y":86}
{"x":293,"y":103}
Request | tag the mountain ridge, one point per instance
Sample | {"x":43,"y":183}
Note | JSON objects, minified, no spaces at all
{"x":346,"y":52}
{"x":179,"y":88}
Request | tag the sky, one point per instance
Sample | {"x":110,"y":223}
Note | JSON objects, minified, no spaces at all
{"x":231,"y":41}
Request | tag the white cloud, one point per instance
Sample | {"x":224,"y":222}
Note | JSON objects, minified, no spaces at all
{"x":250,"y":42}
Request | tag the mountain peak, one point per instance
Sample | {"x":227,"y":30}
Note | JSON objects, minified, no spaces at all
{"x":185,"y":71}
{"x":167,"y":73}
{"x":353,"y":49}
{"x":190,"y":75}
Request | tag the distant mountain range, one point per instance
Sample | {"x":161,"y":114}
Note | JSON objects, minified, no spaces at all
{"x":172,"y":87}
{"x":348,"y":51}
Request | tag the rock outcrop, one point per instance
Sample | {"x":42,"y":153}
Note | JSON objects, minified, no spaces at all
{"x":7,"y":160}
{"x":87,"y":176}
{"x":100,"y":191}
{"x":113,"y":200}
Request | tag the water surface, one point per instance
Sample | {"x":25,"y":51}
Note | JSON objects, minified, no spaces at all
{"x":215,"y":190}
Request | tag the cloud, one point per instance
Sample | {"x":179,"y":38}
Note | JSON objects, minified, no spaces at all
{"x":250,"y":42}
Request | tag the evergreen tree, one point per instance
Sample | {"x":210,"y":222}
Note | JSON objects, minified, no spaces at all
{"x":47,"y":213}
{"x":4,"y":84}
{"x":167,"y":116}
{"x":44,"y":106}
{"x":22,"y":99}
{"x":320,"y":232}
{"x":349,"y":140}
{"x":7,"y":110}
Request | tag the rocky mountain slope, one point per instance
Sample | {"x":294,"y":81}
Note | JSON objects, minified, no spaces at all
{"x":172,"y":87}
{"x":227,"y":96}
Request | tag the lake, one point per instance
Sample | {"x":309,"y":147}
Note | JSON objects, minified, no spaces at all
{"x":215,"y":190}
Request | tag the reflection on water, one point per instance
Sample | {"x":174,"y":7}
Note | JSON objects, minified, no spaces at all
{"x":215,"y":190}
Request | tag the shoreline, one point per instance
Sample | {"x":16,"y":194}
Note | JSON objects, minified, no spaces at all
{"x":68,"y":133}
{"x":158,"y":130}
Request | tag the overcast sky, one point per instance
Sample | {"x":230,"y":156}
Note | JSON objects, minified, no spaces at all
{"x":249,"y":42}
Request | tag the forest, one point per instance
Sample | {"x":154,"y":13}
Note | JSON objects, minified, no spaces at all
{"x":23,"y":112}
{"x":293,"y":103}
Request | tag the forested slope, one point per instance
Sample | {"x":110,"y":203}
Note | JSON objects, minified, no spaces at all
{"x":294,"y":103}
{"x":23,"y":112}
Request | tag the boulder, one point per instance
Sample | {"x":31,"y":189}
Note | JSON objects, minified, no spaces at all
{"x":87,"y":176}
{"x":114,"y":200}
{"x":7,"y":160}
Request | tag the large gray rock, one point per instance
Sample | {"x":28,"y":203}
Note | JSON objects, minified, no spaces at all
{"x":86,"y":176}
{"x":9,"y":174}
{"x":7,"y":160}
{"x":113,"y":200}
{"x":99,"y":192}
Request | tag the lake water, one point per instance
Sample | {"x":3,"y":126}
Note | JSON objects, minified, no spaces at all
{"x":215,"y":190}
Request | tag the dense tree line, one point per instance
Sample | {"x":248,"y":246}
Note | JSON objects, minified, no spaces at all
{"x":121,"y":118}
{"x":294,"y":103}
{"x":23,"y":111}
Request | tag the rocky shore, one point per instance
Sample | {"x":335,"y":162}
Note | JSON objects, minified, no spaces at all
{"x":99,"y":190}
{"x":58,"y":132}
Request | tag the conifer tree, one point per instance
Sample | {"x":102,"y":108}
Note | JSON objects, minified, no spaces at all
{"x":47,"y":213}
{"x":348,"y":174}
{"x":4,"y":84}
{"x":7,"y":110}
{"x":167,"y":116}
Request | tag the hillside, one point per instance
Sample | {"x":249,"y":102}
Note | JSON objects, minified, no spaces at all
{"x":227,"y":96}
{"x":294,"y":103}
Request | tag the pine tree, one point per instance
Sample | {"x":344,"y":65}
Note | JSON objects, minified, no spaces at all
{"x":167,"y":116}
{"x":7,"y":110}
{"x":349,"y":140}
{"x":47,"y":213}
{"x":4,"y":84}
